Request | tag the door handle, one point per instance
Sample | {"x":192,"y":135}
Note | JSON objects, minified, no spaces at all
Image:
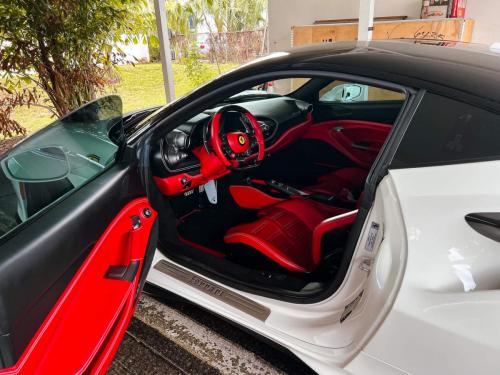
{"x":486,"y":224}
{"x":365,"y":146}
{"x":125,"y":273}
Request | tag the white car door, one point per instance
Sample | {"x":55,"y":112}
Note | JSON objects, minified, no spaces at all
{"x":446,"y":178}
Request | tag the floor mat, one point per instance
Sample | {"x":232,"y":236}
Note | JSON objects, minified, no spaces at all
{"x":207,"y":227}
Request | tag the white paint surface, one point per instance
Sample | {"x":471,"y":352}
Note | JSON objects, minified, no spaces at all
{"x":446,"y":317}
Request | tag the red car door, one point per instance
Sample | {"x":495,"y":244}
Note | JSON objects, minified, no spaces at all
{"x":77,"y":239}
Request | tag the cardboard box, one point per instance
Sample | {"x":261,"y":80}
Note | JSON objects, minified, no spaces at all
{"x":457,"y":30}
{"x":457,"y":8}
{"x":435,"y":9}
{"x":443,"y":9}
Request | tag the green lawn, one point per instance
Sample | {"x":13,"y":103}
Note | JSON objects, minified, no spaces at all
{"x":140,"y":86}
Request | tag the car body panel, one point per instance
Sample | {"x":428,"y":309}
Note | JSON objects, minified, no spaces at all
{"x":446,"y":317}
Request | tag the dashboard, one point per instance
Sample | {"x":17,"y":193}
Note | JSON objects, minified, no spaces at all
{"x":282,"y":120}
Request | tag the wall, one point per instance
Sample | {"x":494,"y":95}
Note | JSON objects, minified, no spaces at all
{"x":487,"y":16}
{"x":283,"y":14}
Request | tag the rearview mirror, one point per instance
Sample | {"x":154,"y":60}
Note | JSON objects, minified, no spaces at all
{"x":42,"y":164}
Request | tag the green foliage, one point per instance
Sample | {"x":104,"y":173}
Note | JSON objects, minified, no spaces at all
{"x":140,"y":86}
{"x":222,"y":18}
{"x":231,"y":15}
{"x":197,"y":72}
{"x":65,"y":47}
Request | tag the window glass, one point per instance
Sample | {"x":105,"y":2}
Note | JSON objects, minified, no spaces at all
{"x":446,"y":131}
{"x":58,"y":159}
{"x":277,"y":87}
{"x":348,"y":92}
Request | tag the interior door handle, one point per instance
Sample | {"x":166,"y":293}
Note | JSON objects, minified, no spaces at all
{"x":125,"y":273}
{"x":365,"y":146}
{"x":486,"y":224}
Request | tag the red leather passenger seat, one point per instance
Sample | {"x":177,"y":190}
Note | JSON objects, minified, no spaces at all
{"x":290,"y":232}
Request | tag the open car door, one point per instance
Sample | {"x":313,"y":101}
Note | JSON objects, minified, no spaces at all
{"x":77,"y":239}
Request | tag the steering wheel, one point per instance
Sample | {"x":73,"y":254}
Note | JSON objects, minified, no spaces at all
{"x":237,"y":150}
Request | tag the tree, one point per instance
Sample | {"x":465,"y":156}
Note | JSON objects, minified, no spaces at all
{"x":65,"y":48}
{"x":221,"y":17}
{"x":232,"y":15}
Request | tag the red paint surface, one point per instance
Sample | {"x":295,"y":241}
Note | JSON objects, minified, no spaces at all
{"x":84,"y":329}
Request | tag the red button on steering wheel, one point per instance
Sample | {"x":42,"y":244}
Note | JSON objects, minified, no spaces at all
{"x":237,"y":149}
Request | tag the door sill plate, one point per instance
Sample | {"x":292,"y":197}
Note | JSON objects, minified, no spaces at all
{"x":227,"y":296}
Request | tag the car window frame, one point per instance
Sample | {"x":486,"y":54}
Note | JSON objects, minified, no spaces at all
{"x":422,"y":94}
{"x":31,"y":219}
{"x":180,"y":111}
{"x":368,"y":101}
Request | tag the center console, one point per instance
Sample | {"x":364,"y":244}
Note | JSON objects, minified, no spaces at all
{"x":258,"y":194}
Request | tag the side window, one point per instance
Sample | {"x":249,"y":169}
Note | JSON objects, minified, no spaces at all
{"x":446,"y":131}
{"x":58,"y":159}
{"x":282,"y":87}
{"x":347,"y":92}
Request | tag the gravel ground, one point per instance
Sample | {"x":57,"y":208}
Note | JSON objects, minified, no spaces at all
{"x":169,"y":335}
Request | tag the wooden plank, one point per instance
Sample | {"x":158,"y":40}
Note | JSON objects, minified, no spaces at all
{"x":354,"y":20}
{"x":467,"y":31}
{"x":433,"y":29}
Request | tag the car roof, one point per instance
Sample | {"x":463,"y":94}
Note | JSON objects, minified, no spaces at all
{"x":453,"y":69}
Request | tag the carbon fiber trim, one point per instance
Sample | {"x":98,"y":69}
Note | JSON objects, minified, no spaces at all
{"x":229,"y":297}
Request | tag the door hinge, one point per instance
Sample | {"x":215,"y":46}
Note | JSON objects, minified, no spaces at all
{"x":366,"y":264}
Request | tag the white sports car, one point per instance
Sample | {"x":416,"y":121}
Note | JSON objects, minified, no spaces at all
{"x":351,"y":214}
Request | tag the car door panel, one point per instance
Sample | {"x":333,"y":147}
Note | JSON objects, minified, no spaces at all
{"x":41,"y":260}
{"x":94,"y":305}
{"x":384,"y":111}
{"x":360,"y":141}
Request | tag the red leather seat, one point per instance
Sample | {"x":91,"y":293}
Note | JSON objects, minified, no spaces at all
{"x":333,"y":183}
{"x":290,"y":232}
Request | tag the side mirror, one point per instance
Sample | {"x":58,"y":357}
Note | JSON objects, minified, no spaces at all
{"x":351,"y":92}
{"x":44,"y":164}
{"x":345,"y":93}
